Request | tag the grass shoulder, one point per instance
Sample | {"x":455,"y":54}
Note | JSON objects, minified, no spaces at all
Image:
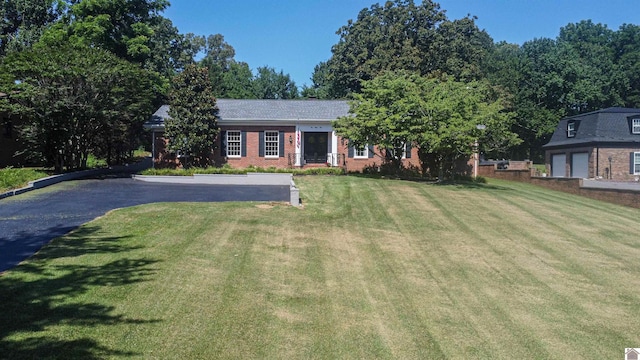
{"x":15,"y":178}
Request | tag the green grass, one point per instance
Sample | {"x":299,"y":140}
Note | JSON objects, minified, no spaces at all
{"x":368,"y":268}
{"x":11,"y":178}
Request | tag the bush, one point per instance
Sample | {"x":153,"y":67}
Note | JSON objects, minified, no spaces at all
{"x":230,"y":171}
{"x":11,"y":178}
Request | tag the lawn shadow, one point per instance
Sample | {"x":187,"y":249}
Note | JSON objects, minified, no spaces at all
{"x":472,"y":185}
{"x":40,"y":294}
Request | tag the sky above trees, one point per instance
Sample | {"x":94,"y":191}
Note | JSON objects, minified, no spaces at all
{"x":294,"y":36}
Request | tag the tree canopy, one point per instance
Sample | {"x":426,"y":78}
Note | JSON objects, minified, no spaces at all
{"x":439,"y":115}
{"x":192,"y":127}
{"x":77,"y":100}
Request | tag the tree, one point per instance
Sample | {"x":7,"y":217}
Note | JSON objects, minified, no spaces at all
{"x":22,"y":22}
{"x":437,"y":114}
{"x":452,"y":114}
{"x":268,"y":84}
{"x":75,"y":100}
{"x":386,"y":113}
{"x":401,"y":35}
{"x":192,"y":126}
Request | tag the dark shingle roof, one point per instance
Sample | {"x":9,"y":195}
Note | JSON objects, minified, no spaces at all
{"x":237,"y":110}
{"x":611,"y":125}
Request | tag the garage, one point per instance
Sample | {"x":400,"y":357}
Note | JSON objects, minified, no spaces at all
{"x":558,"y":165}
{"x":580,"y":165}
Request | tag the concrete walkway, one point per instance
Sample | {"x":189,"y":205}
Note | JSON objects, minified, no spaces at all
{"x":29,"y":221}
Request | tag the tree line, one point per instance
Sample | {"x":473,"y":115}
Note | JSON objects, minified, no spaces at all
{"x":587,"y":67}
{"x":85,"y":74}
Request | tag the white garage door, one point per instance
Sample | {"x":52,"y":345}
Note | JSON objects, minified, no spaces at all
{"x":558,"y":165}
{"x":580,"y":165}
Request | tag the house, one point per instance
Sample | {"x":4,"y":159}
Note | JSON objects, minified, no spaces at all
{"x":601,"y":144}
{"x":278,"y":133}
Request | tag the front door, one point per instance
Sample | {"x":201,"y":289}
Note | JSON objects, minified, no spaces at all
{"x":315,"y":147}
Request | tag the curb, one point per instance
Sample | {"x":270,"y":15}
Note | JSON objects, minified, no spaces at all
{"x":54,"y":179}
{"x":281,"y":179}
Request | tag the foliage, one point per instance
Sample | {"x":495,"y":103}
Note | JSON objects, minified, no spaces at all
{"x":11,"y":178}
{"x":22,"y":22}
{"x":250,"y":169}
{"x":77,"y":100}
{"x":401,"y":35}
{"x":269,"y":84}
{"x":437,"y":114}
{"x":192,"y":126}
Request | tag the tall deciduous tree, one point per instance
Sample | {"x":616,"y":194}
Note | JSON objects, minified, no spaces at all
{"x":77,"y":100}
{"x":22,"y":22}
{"x":269,"y":84}
{"x":437,"y":114}
{"x":401,"y":35}
{"x":193,"y":126}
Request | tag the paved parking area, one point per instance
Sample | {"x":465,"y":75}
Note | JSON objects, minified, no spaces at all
{"x":29,"y":221}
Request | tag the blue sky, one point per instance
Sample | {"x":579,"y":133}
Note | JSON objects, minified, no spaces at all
{"x":295,"y":35}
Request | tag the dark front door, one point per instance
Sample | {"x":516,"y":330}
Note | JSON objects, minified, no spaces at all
{"x":315,"y":147}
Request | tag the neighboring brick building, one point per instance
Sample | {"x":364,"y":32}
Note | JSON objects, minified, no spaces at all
{"x":279,"y":133}
{"x":600,"y":144}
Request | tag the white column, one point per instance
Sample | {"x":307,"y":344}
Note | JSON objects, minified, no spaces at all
{"x":298,"y":146}
{"x":334,"y":148}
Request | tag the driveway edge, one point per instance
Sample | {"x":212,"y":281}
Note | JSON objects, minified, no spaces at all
{"x":54,"y":179}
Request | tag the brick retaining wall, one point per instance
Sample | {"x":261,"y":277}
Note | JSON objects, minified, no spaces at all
{"x":623,"y":197}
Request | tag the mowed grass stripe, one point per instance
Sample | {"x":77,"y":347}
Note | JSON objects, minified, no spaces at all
{"x":366,"y":269}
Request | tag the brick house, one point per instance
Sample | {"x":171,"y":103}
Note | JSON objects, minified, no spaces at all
{"x":278,"y":133}
{"x":601,"y":144}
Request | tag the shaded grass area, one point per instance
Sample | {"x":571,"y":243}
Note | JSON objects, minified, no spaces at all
{"x":369,"y":268}
{"x":12,"y":178}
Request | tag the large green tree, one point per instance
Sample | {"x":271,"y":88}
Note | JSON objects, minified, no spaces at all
{"x":437,"y":114}
{"x":76,"y":100}
{"x":269,"y":84}
{"x":23,"y":21}
{"x":192,"y":126}
{"x":401,"y":35}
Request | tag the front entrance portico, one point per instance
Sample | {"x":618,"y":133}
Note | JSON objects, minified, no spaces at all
{"x":316,"y":144}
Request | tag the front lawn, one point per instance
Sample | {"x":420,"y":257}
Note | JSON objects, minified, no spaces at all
{"x":367,"y":269}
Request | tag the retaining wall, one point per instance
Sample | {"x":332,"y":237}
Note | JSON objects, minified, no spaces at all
{"x":608,"y":192}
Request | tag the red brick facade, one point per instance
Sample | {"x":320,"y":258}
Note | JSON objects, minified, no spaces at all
{"x":288,"y":157}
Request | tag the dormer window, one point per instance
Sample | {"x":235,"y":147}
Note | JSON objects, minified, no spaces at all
{"x":571,"y":129}
{"x":635,"y":126}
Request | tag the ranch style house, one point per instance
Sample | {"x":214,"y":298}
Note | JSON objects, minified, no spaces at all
{"x":278,"y":133}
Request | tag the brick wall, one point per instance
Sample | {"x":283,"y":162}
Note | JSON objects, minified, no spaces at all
{"x":569,"y":185}
{"x":599,"y":166}
{"x":358,"y":164}
{"x":253,"y":148}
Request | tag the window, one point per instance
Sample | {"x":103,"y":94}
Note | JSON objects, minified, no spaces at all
{"x":234,"y":143}
{"x":571,"y":129}
{"x":636,"y":163}
{"x":635,"y":126}
{"x":271,"y":141}
{"x":361,"y":152}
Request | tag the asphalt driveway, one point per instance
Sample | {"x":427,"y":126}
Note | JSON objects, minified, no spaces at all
{"x":29,"y":221}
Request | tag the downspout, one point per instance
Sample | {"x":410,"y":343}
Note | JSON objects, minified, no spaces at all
{"x":153,"y":149}
{"x":597,"y":161}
